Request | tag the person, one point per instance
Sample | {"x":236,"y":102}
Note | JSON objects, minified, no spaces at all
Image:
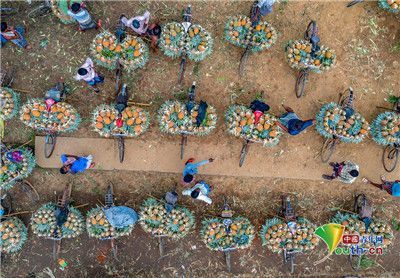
{"x":202,"y":112}
{"x":291,"y":123}
{"x":365,"y":214}
{"x":79,"y":13}
{"x":121,"y":104}
{"x":391,"y":187}
{"x":56,"y":93}
{"x":75,"y":164}
{"x":265,"y":6}
{"x":200,"y":192}
{"x":346,"y":172}
{"x":138,"y":24}
{"x":15,"y":35}
{"x":171,"y":198}
{"x":154,"y":32}
{"x":88,"y":74}
{"x":259,"y":108}
{"x":191,"y":170}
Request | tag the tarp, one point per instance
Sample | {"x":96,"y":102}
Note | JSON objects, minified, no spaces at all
{"x":120,"y":216}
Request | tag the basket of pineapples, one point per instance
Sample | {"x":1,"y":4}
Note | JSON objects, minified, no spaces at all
{"x":385,"y":129}
{"x":9,"y":103}
{"x":13,"y":234}
{"x":392,"y":6}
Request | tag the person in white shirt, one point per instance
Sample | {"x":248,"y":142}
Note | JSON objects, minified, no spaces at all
{"x":138,"y":24}
{"x":200,"y":192}
{"x":88,"y":74}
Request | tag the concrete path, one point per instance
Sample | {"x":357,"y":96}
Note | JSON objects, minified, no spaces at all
{"x":274,"y":162}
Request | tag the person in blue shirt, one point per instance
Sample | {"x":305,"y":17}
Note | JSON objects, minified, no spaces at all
{"x":75,"y":164}
{"x":191,"y":170}
{"x":291,"y":123}
{"x":78,"y":12}
{"x":391,"y":187}
{"x":15,"y":35}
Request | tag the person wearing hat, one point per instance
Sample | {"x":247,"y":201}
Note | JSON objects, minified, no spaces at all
{"x":15,"y":35}
{"x":88,"y":74}
{"x":346,"y":172}
{"x":191,"y":170}
{"x":138,"y":24}
{"x":200,"y":192}
{"x":291,"y":123}
{"x":391,"y":187}
{"x":79,"y":13}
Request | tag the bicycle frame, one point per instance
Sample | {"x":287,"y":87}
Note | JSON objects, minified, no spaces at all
{"x":187,"y":22}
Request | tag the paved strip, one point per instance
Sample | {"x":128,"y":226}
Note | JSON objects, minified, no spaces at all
{"x":295,"y":161}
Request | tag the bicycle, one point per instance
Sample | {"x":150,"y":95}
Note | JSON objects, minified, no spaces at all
{"x":122,"y":98}
{"x":62,"y":207}
{"x":255,"y":17}
{"x":41,"y":10}
{"x":360,"y":203}
{"x":310,"y":34}
{"x":330,"y":144}
{"x":109,"y":202}
{"x":244,"y":151}
{"x":227,"y":214}
{"x":187,"y":22}
{"x":191,"y":97}
{"x":25,"y":185}
{"x":390,"y":155}
{"x":289,"y":214}
{"x":118,"y":76}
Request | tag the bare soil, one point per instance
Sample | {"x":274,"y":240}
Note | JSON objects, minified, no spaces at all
{"x":363,"y":37}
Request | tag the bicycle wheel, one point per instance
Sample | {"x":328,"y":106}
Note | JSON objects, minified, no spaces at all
{"x":28,"y":188}
{"x":118,"y":75}
{"x":121,"y":148}
{"x":328,"y":148}
{"x":41,"y":10}
{"x":243,"y":153}
{"x":114,"y":248}
{"x":301,"y":83}
{"x":56,"y":249}
{"x":161,"y":246}
{"x":355,"y":261}
{"x":390,"y":157}
{"x":49,"y":144}
{"x":183,"y":144}
{"x":228,"y":260}
{"x":243,"y":61}
{"x":352,"y":3}
{"x":182,"y":68}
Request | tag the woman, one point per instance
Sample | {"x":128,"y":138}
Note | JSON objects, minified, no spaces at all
{"x":191,"y":170}
{"x":391,"y":187}
{"x":291,"y":123}
{"x":16,"y":35}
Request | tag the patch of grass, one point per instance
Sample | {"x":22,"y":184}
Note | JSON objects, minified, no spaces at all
{"x":367,"y":262}
{"x":396,"y":47}
{"x":283,"y":5}
{"x":396,"y":224}
{"x":196,"y":69}
{"x":180,"y":95}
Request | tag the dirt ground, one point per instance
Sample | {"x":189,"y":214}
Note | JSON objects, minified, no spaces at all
{"x":364,"y":38}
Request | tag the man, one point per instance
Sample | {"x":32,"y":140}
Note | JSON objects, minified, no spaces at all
{"x":200,"y":192}
{"x":191,"y":170}
{"x":88,"y":74}
{"x":391,"y":187}
{"x":75,"y":164}
{"x":346,"y":172}
{"x":171,"y":198}
{"x":138,"y":24}
{"x":78,"y":12}
{"x":121,"y":104}
{"x":291,"y":123}
{"x":16,"y":35}
{"x":259,"y":108}
{"x":154,"y":32}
